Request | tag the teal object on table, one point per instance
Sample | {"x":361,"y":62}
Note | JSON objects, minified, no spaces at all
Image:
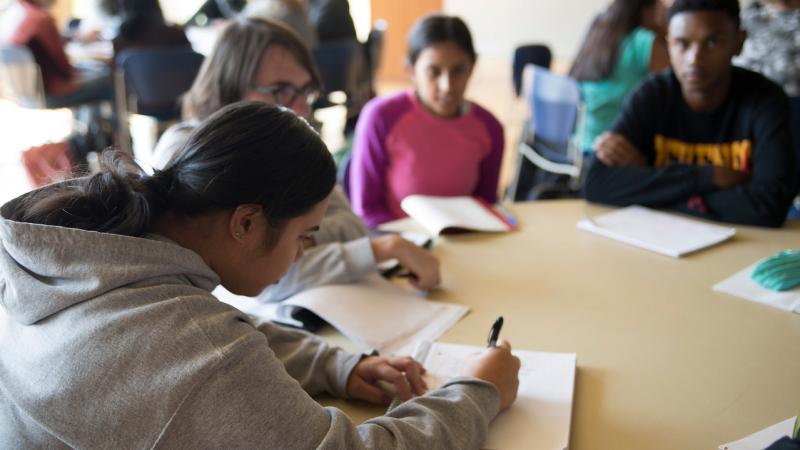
{"x":779,"y":272}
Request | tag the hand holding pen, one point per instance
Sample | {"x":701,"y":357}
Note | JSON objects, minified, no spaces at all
{"x":498,"y":366}
{"x":421,"y":264}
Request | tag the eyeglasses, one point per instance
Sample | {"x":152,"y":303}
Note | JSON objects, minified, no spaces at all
{"x":286,"y":94}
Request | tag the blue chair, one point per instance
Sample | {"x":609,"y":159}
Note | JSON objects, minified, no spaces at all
{"x":373,"y":50}
{"x":155,"y":78}
{"x":339,"y":64}
{"x":548,"y":144}
{"x":536,"y":54}
{"x":151,"y":81}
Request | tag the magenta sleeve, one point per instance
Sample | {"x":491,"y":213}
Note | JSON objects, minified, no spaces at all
{"x":490,"y":166}
{"x":367,"y":184}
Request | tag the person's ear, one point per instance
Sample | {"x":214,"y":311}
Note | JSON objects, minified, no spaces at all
{"x":741,"y":36}
{"x":241,"y":223}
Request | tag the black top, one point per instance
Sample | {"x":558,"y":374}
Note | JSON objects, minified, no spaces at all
{"x":748,"y":132}
{"x":332,"y":20}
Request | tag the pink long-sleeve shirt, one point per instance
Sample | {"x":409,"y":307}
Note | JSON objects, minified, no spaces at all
{"x":401,"y":149}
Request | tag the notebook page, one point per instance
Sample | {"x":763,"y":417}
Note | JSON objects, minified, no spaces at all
{"x":439,"y":213}
{"x":253,"y":307}
{"x":445,"y":316}
{"x":657,"y":231}
{"x":541,"y":416}
{"x":373,"y":313}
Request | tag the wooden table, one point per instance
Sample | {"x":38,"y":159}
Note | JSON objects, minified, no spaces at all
{"x":663,"y":361}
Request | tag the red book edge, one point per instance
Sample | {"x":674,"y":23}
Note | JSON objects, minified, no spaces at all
{"x":511,"y":226}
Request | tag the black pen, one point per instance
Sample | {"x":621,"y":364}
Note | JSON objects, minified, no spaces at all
{"x":494,"y":333}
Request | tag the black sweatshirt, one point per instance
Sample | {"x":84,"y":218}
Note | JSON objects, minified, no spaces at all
{"x":748,"y":132}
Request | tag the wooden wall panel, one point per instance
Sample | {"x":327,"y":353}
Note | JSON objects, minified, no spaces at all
{"x":400,"y":16}
{"x":62,"y":12}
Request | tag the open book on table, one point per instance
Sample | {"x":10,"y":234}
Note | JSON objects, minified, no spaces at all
{"x":540,"y":417}
{"x":657,"y":231}
{"x":441,"y":215}
{"x":375,"y":314}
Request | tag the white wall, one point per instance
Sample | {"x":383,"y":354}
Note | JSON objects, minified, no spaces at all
{"x":499,"y":26}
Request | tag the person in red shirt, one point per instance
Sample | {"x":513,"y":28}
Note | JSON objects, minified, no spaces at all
{"x":28,"y":23}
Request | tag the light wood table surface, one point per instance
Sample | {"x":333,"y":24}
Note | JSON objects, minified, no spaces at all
{"x":663,"y":361}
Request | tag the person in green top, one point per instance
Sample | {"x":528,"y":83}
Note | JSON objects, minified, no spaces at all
{"x":624,"y":43}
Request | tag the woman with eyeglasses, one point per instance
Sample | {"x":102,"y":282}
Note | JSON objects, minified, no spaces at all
{"x":261,"y":60}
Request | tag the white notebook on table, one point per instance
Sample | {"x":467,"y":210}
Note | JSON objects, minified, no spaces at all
{"x":374,"y":313}
{"x":441,"y":215}
{"x":657,"y":231}
{"x":540,"y":418}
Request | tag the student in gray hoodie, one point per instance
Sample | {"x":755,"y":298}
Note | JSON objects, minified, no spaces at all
{"x":112,"y":339}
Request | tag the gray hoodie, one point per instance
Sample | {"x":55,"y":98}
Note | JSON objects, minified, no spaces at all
{"x":112,"y":341}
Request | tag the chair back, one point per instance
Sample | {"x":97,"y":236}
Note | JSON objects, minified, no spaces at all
{"x":555,"y":102}
{"x":537,"y":54}
{"x":549,"y":163}
{"x":154,"y":79}
{"x":339,"y":64}
{"x":20,"y":77}
{"x":374,"y":48}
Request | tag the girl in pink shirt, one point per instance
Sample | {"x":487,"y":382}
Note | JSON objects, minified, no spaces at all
{"x":428,"y":140}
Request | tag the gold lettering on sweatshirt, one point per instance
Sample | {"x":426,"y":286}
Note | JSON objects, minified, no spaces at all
{"x":733,"y":155}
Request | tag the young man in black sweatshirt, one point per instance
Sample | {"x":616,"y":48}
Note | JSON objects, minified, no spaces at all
{"x":703,"y":137}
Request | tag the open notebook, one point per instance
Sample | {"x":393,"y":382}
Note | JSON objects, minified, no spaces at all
{"x":375,"y":314}
{"x":657,"y":231}
{"x":441,"y":215}
{"x":540,"y":417}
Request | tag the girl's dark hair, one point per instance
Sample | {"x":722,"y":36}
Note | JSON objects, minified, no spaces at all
{"x":138,"y":16}
{"x":229,"y":72}
{"x":247,"y":153}
{"x":436,"y":28}
{"x":729,"y":7}
{"x":600,"y":49}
